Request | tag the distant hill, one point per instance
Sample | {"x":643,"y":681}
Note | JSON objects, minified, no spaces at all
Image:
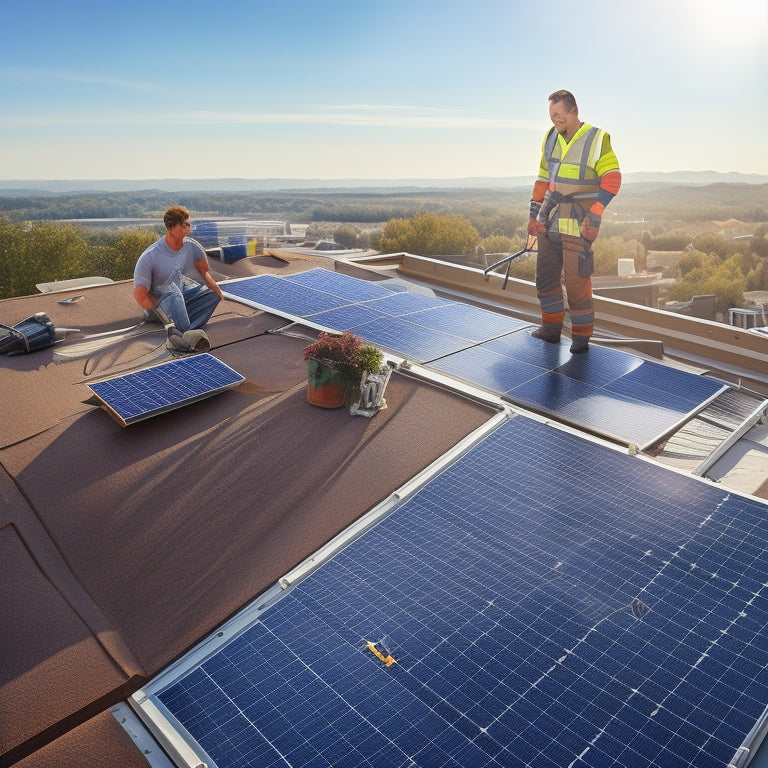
{"x":29,"y":187}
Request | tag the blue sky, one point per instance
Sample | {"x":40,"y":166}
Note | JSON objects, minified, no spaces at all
{"x":332,"y":89}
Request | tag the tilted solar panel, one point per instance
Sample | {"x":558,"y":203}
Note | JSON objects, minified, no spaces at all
{"x":142,"y":394}
{"x":545,"y":601}
{"x":606,"y":391}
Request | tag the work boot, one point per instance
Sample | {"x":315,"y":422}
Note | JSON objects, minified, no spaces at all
{"x":548,"y":333}
{"x":197,"y":340}
{"x":175,"y":341}
{"x":579,"y":344}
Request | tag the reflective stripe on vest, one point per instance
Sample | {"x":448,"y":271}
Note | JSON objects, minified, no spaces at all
{"x":574,"y":171}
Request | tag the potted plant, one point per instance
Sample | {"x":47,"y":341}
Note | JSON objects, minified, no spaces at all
{"x":336,"y":365}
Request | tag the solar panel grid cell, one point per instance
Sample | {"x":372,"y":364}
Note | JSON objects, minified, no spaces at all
{"x":345,"y":318}
{"x":400,"y":304}
{"x":406,"y":338}
{"x":597,"y":409}
{"x":466,"y":321}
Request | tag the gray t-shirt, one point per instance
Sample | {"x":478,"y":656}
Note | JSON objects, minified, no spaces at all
{"x":160,"y":265}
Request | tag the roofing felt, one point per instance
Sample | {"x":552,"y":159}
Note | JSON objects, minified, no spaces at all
{"x":124,"y":547}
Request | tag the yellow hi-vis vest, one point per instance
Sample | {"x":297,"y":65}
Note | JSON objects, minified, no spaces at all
{"x":572,"y":170}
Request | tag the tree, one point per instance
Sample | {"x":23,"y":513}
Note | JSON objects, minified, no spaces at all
{"x":115,"y":256}
{"x":346,"y":237}
{"x":39,"y":253}
{"x":709,"y":242}
{"x":492,"y":222}
{"x":711,"y":275}
{"x":429,"y":234}
{"x":499,"y":244}
{"x":757,"y":278}
{"x":608,"y":251}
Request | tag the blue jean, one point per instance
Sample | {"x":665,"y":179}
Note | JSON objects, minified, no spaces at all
{"x":188,"y":307}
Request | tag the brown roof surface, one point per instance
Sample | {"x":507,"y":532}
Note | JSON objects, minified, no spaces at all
{"x":121,"y":548}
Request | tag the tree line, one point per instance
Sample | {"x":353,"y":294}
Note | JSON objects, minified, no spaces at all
{"x":41,"y":252}
{"x":424,"y":222}
{"x":657,"y":202}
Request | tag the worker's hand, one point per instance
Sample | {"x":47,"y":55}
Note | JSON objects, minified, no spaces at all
{"x":535,"y":227}
{"x":590,"y":226}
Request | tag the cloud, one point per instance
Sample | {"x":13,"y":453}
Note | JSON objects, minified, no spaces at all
{"x":47,"y":76}
{"x":388,"y":117}
{"x":378,"y":117}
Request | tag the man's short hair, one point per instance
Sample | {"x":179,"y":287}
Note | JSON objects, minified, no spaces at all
{"x":566,"y":97}
{"x":178,"y":214}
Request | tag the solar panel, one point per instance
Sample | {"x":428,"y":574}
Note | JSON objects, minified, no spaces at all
{"x":482,"y":366}
{"x":610,"y":613}
{"x":466,"y":321}
{"x":344,"y":286}
{"x":345,"y":318}
{"x":146,"y":393}
{"x":281,"y":296}
{"x":406,"y":303}
{"x":408,"y":339}
{"x":623,"y":418}
{"x":607,"y":391}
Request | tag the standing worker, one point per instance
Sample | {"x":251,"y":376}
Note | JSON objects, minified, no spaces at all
{"x":173,"y":283}
{"x":578,"y":176}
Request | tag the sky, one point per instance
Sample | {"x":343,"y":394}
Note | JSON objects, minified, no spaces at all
{"x":393,"y":89}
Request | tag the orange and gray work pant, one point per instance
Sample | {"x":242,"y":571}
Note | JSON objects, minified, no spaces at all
{"x":565,"y":255}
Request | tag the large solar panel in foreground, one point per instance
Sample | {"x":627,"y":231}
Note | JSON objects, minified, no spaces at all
{"x":548,"y":602}
{"x":148,"y":392}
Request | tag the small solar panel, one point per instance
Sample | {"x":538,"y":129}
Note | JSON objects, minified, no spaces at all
{"x":146,"y":393}
{"x":545,"y":601}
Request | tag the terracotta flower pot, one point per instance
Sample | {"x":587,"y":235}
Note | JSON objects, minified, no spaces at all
{"x":326,"y":387}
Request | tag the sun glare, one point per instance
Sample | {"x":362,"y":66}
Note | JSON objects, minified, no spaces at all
{"x":739,"y":27}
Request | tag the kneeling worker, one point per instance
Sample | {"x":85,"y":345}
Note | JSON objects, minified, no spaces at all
{"x":167,"y":284}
